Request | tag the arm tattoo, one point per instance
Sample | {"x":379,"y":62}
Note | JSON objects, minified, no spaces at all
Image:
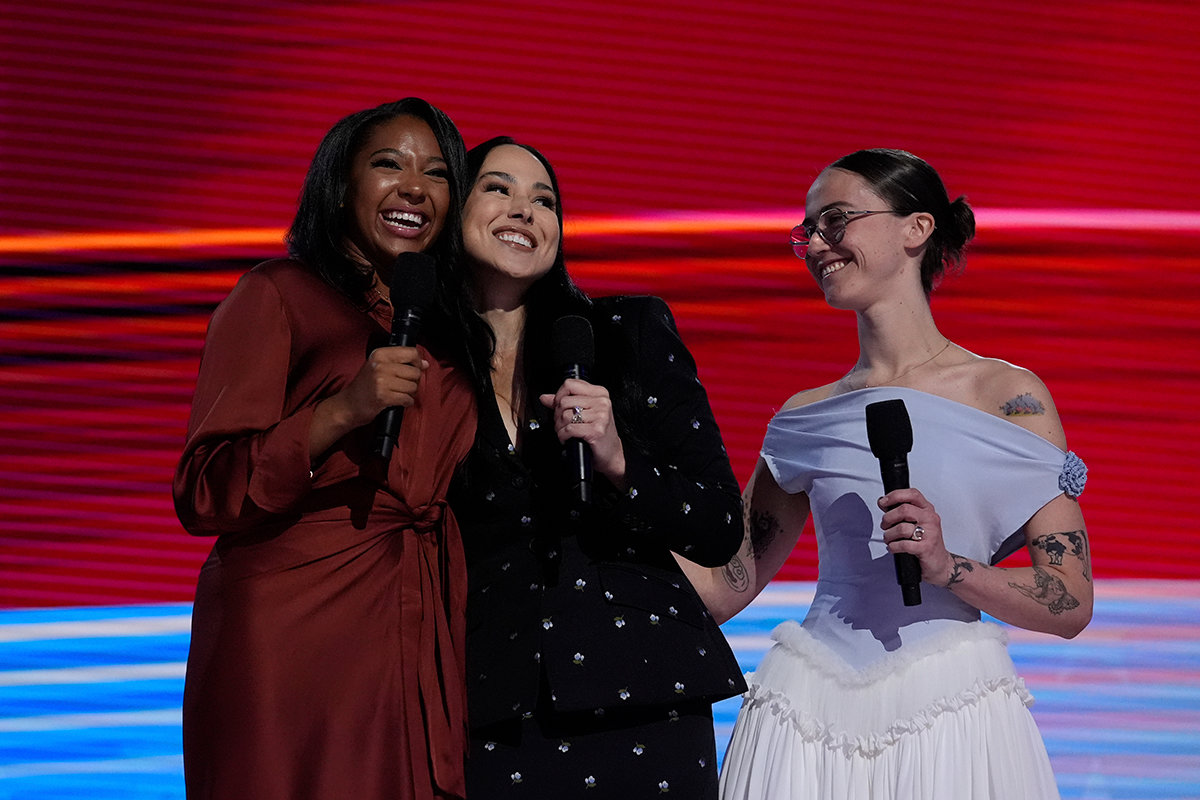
{"x":961,"y":565}
{"x":764,"y":527}
{"x":1066,"y":543}
{"x":735,"y":575}
{"x":1047,"y":590}
{"x":1023,"y":405}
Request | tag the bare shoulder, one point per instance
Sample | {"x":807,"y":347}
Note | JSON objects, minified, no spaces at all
{"x":1017,"y":395}
{"x":809,"y":396}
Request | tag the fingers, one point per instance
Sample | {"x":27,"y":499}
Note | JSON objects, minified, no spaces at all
{"x":581,"y":410}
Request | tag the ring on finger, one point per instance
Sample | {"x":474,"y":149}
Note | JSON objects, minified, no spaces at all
{"x":578,"y":418}
{"x":918,"y":533}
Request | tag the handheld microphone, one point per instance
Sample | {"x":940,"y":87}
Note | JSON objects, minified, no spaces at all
{"x":889,"y":433}
{"x":573,"y":351}
{"x":413,"y":285}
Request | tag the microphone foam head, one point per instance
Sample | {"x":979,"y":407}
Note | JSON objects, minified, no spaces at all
{"x":572,"y":343}
{"x":414,"y":280}
{"x":889,"y":430}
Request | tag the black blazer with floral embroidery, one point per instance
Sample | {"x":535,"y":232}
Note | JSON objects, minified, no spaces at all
{"x":593,"y":603}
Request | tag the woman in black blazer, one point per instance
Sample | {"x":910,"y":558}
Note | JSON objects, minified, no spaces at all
{"x":592,"y":665}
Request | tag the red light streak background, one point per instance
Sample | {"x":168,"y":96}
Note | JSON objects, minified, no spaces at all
{"x":149,"y":154}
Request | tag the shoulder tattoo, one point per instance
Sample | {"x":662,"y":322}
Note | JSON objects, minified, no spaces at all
{"x":1023,"y":405}
{"x":764,"y":527}
{"x":1066,"y":544}
{"x":1048,"y":590}
{"x":735,"y":575}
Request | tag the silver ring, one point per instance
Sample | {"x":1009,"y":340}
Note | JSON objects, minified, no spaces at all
{"x":578,"y":418}
{"x":918,"y":533}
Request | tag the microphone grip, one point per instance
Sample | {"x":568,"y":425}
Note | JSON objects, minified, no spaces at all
{"x":579,"y":455}
{"x":387,"y":424}
{"x":908,"y":567}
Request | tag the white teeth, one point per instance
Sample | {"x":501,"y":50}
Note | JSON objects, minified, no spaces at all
{"x":515,"y":238}
{"x":405,"y":218}
{"x":831,"y":268}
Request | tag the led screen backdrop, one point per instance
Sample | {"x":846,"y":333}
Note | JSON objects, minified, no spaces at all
{"x":150,"y":154}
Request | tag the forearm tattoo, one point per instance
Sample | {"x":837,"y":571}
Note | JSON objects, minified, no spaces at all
{"x":1023,"y":405}
{"x":764,"y":527}
{"x":1058,"y":546}
{"x":1049,"y":591}
{"x":735,"y":575}
{"x":961,"y":566}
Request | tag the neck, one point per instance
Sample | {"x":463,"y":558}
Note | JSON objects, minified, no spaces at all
{"x":896,"y":341}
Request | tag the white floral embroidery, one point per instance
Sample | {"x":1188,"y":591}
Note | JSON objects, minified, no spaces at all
{"x":490,"y":746}
{"x":695,"y":424}
{"x":654,"y":619}
{"x":578,"y":659}
{"x":678,"y":690}
{"x":608,"y":595}
{"x":580,"y":583}
{"x":687,"y":507}
{"x":619,"y":622}
{"x":564,"y":747}
{"x":633,"y":492}
{"x":589,"y":782}
{"x":547,"y":624}
{"x":652,"y":401}
{"x":663,"y":787}
{"x":516,"y":777}
{"x":533,"y":425}
{"x":623,"y":694}
{"x":638,"y":749}
{"x":672,"y":611}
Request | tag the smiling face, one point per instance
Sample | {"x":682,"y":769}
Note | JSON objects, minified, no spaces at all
{"x":872,"y":249}
{"x":399,"y":193}
{"x":510,"y":229}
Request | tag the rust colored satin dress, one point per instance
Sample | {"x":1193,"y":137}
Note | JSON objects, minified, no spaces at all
{"x":327,"y":635}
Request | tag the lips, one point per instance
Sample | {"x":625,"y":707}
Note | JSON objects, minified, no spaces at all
{"x":516,"y":238}
{"x":405,"y":222}
{"x":828,"y":268}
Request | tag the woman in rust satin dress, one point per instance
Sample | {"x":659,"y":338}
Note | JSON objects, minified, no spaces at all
{"x":327,"y":635}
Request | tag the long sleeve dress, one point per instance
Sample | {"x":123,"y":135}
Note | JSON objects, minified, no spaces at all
{"x":327,"y":633}
{"x":592,"y":663}
{"x":867,"y":697}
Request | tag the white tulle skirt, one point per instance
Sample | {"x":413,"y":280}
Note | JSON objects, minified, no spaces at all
{"x":945,"y":719}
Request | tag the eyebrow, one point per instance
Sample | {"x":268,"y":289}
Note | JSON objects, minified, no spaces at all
{"x":504,"y":176}
{"x":834,"y":204}
{"x":394,"y":151}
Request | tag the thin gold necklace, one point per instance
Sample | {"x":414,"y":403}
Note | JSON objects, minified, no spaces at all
{"x":912,"y":368}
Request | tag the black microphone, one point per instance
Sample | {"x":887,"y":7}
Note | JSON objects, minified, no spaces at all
{"x":573,"y":352}
{"x":890,"y":435}
{"x":413,"y":284}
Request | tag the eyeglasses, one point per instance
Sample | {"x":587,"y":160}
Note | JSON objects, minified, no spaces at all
{"x":831,"y":224}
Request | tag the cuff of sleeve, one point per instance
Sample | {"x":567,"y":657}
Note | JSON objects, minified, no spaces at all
{"x":282,"y":474}
{"x":635,"y":506}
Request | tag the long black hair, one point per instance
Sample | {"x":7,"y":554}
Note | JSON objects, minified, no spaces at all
{"x":550,"y":297}
{"x":554,"y":295}
{"x":908,"y":183}
{"x":320,"y":229}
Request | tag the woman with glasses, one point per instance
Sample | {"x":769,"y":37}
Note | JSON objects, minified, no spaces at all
{"x":882,"y":692}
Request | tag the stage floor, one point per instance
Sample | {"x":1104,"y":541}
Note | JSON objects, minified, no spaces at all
{"x":90,"y":697}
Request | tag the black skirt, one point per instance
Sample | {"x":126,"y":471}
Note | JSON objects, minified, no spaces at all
{"x":626,"y":754}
